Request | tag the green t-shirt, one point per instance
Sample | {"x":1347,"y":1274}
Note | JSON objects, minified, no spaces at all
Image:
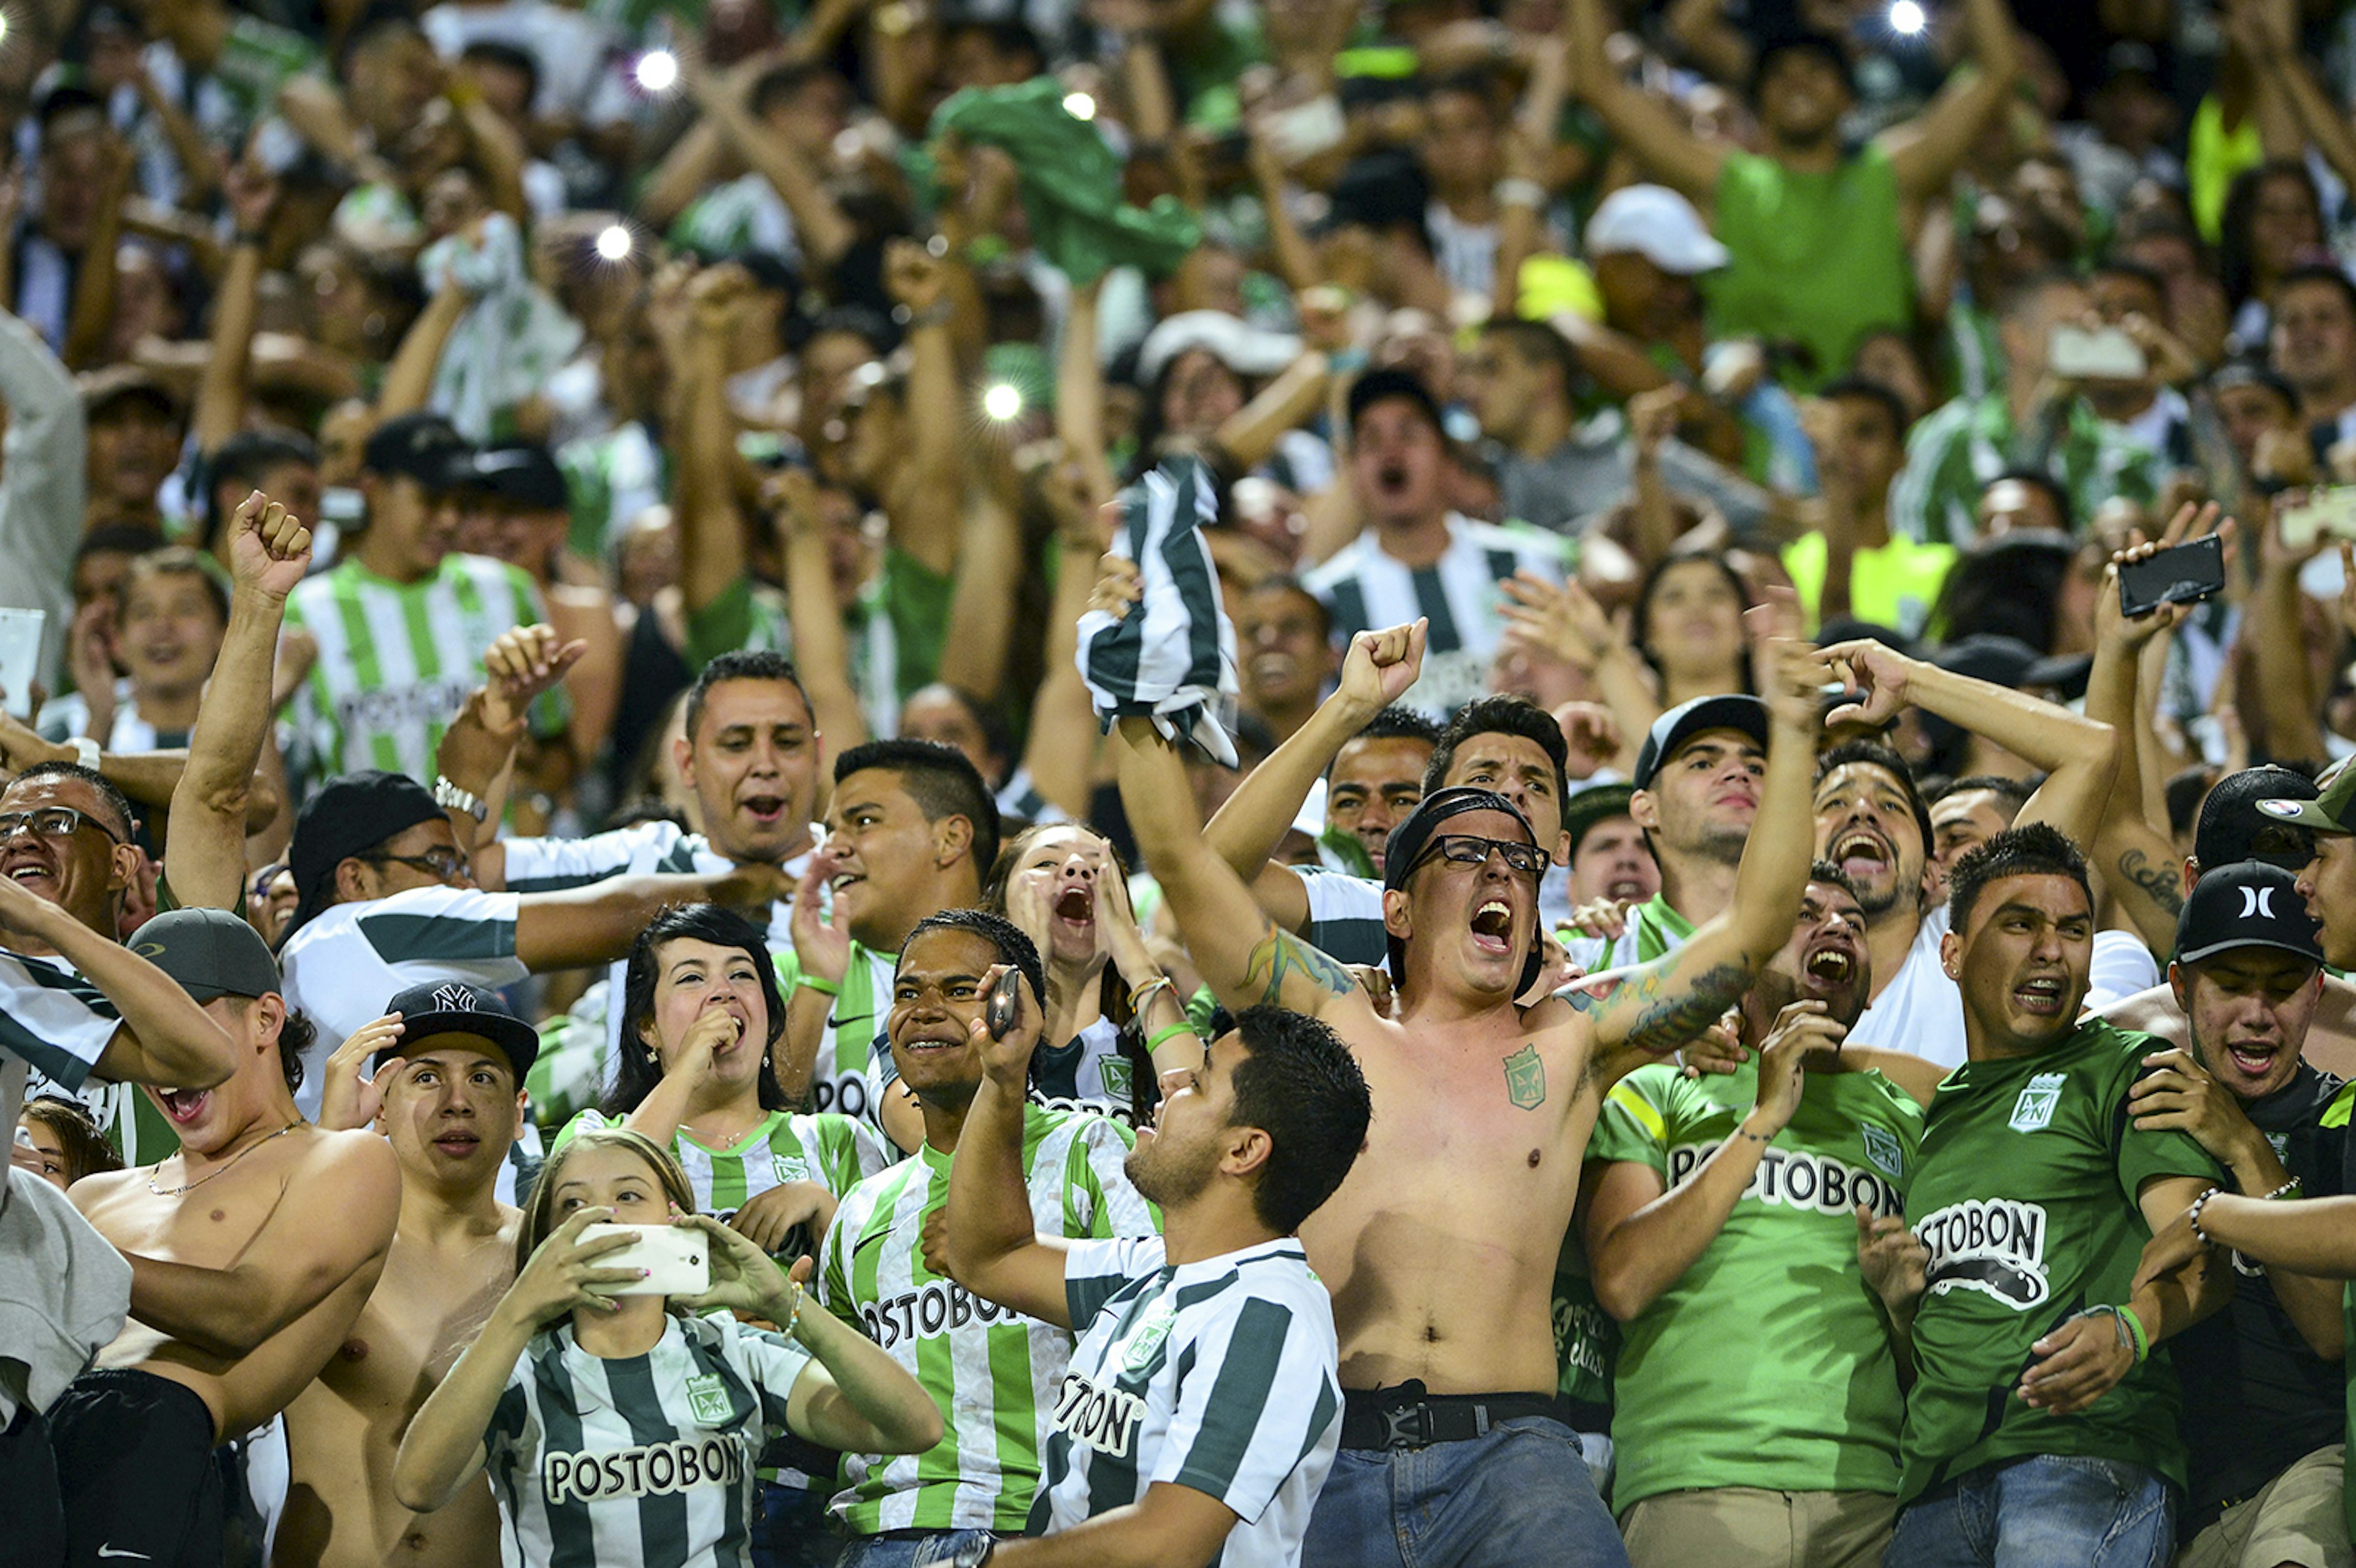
{"x":1815,"y":257}
{"x":833,"y":1151}
{"x":1808,"y":1401}
{"x":2025,"y":1192}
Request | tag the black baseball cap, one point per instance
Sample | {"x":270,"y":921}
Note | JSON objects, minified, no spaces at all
{"x":1374,"y":386}
{"x":211,"y":952}
{"x":2330,"y":808}
{"x":1591,"y":807}
{"x":344,"y":816}
{"x":1403,"y":853}
{"x":453,"y":1007}
{"x":1686,"y":719}
{"x":521,"y":475}
{"x":423,"y":447}
{"x":2255,"y":814}
{"x":2247,"y":904}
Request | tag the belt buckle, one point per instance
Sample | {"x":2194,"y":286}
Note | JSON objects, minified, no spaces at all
{"x":1409,"y":1427}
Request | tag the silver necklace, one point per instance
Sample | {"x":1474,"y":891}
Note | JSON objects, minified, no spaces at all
{"x":199,"y":1181}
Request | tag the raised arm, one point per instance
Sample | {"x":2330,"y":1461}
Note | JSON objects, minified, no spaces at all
{"x":1060,"y":751}
{"x":164,"y":1037}
{"x":228,"y":356}
{"x":204,"y":845}
{"x":334,"y":1220}
{"x":1674,"y":154}
{"x":596,"y":924}
{"x":1672,"y":999}
{"x":927,"y":526}
{"x":1925,"y":151}
{"x":1239,"y":952}
{"x":2078,"y":755}
{"x":994,"y":1246}
{"x":819,"y":225}
{"x":1375,"y":672}
{"x":711,"y":529}
{"x":821,"y":645}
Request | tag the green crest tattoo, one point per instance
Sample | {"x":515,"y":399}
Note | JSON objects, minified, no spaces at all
{"x":1525,"y":1079}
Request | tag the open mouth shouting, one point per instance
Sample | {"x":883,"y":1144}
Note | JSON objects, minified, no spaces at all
{"x":766,"y":810}
{"x":183,"y":1107}
{"x":1076,"y":908}
{"x":1629,"y":887}
{"x":1828,"y":968}
{"x":2041,"y":996}
{"x":2254,"y":1059}
{"x":1493,"y":927}
{"x":1863,"y":854}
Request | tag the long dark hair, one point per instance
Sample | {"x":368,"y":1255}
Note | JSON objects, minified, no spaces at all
{"x":639,"y":1069}
{"x":2236,"y":258}
{"x":1641,"y":632}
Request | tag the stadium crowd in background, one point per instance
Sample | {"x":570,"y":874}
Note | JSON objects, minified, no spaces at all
{"x":1327,"y":782}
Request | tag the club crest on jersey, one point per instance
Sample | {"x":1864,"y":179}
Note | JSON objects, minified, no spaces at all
{"x":1525,"y":1079}
{"x":1883,"y":1148}
{"x":2033,"y":1112}
{"x":1994,"y":1245}
{"x":707,"y":1400}
{"x":1118,"y":1076}
{"x":1145,"y":1340}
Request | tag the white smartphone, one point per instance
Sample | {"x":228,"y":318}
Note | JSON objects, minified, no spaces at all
{"x":2102,"y":353}
{"x":678,"y":1260}
{"x":20,"y":656}
{"x":1301,"y":132}
{"x":2329,"y":511}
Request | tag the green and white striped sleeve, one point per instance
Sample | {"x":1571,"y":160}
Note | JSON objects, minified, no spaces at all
{"x":1258,"y":1396}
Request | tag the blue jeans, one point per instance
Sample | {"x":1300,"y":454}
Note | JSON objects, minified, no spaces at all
{"x":1518,"y":1498}
{"x":790,"y":1529}
{"x":2046,"y":1512}
{"x":867,"y":1552}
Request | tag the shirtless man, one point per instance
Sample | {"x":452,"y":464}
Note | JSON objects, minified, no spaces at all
{"x":448,"y":1060}
{"x":1440,"y":1248}
{"x":251,"y":1251}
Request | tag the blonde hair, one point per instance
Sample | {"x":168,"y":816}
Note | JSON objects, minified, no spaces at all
{"x":538,"y":1217}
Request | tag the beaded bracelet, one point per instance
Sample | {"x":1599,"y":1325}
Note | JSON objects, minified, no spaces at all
{"x":2192,"y":1217}
{"x":2287,"y":1189}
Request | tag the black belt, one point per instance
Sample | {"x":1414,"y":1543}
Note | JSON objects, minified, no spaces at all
{"x":1407,"y":1417}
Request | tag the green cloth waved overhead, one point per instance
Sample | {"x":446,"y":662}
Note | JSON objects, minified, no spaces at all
{"x":1071,"y":182}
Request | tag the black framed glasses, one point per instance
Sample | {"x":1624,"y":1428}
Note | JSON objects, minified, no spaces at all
{"x":435,"y":863}
{"x":52,"y":822}
{"x":1470,"y":849}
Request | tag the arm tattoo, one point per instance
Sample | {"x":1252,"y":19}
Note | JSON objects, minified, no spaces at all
{"x":2159,"y":884}
{"x":1280,"y":956}
{"x":1668,"y":1017}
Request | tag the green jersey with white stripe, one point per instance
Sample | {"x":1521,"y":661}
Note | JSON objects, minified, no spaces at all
{"x":640,"y":1460}
{"x":992,"y":1371}
{"x":1221,"y":1376}
{"x":397,"y":660}
{"x":846,"y":1080}
{"x":833,"y":1151}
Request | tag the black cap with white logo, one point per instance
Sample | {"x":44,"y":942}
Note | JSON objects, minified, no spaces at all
{"x":453,"y":1006}
{"x":2246,"y":904}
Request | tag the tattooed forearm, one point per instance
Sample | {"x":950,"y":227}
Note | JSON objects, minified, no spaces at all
{"x":1672,"y":1010}
{"x":2158,"y":884}
{"x":1280,"y":956}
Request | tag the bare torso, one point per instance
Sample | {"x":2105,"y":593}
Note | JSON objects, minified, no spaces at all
{"x":342,"y":1433}
{"x":1441,"y":1247}
{"x":210,"y":1226}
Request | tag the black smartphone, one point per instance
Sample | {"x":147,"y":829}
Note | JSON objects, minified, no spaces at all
{"x":998,"y":1013}
{"x":2177,"y":576}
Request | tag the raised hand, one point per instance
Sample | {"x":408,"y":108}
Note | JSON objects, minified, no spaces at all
{"x":913,"y":275}
{"x":743,"y":1278}
{"x":1382,"y":664}
{"x":1592,"y":733}
{"x":769,"y":1219}
{"x":559,"y":1277}
{"x":348,"y":1096}
{"x":2190,"y":522}
{"x":1119,"y":586}
{"x":822,"y":947}
{"x":1008,"y":1061}
{"x":521,"y":663}
{"x":714,"y":298}
{"x":1801,"y":1030}
{"x":1561,"y":619}
{"x":269,"y":547}
{"x":1878,"y":679}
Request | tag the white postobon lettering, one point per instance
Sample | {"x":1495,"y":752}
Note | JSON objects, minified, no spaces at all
{"x":1104,"y":1419}
{"x":1794,"y":1178}
{"x":652,"y":1470}
{"x":1992,"y":1246}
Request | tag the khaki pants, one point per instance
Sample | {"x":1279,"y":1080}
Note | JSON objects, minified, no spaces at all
{"x":1746,"y":1527}
{"x":2295,"y":1517}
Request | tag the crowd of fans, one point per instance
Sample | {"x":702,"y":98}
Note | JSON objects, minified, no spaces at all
{"x":760,"y":756}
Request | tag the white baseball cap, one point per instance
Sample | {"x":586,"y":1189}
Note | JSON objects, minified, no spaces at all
{"x":1657,"y":223}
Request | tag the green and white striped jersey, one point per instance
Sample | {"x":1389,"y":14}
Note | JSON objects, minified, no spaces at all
{"x":1654,"y":931}
{"x":343,"y":965}
{"x":847,"y":1080}
{"x":397,"y":660}
{"x":644,"y":1460}
{"x":1345,"y":915}
{"x":833,"y":1151}
{"x":992,"y":1372}
{"x":1222,"y":1376}
{"x":54,"y":1026}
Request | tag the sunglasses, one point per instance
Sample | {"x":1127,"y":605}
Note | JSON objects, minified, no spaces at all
{"x":52,"y":822}
{"x":1468,"y":849}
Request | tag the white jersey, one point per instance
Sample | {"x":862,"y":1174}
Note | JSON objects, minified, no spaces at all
{"x":397,"y":659}
{"x":52,"y":1021}
{"x":1365,"y":588}
{"x":640,"y":1460}
{"x":648,"y":848}
{"x":1221,"y":1376}
{"x":1922,"y":1010}
{"x":343,"y":965}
